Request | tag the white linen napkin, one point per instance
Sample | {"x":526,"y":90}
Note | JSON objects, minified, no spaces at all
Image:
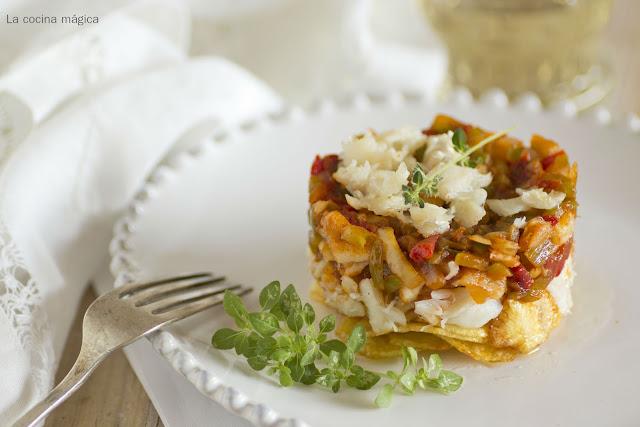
{"x":84,"y":120}
{"x":65,"y":183}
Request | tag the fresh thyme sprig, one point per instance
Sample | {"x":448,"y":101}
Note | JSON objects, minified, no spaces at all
{"x":426,"y":184}
{"x":420,"y":184}
{"x":282,"y":337}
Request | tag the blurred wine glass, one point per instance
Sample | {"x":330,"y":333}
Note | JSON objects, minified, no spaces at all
{"x":549,"y":47}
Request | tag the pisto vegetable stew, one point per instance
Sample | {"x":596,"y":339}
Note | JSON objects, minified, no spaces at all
{"x":448,"y":236}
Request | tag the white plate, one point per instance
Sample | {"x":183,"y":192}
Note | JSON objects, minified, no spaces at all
{"x":237,"y":206}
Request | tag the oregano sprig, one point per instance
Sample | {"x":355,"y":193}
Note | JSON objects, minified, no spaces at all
{"x":430,"y":376}
{"x":284,"y":339}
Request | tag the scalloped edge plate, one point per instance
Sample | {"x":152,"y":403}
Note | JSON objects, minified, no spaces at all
{"x":188,"y":360}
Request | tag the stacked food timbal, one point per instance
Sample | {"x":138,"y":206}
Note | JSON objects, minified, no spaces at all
{"x":446,"y":237}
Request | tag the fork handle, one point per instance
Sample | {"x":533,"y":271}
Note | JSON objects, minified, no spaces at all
{"x":85,"y":364}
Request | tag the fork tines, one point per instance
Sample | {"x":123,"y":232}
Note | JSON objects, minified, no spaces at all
{"x":179,"y":296}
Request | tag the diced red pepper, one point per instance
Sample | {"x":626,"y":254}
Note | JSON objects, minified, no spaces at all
{"x":522,"y":277}
{"x":424,"y":249}
{"x":548,"y":161}
{"x":317,"y":167}
{"x":551,"y":219}
{"x":555,"y":263}
{"x":325,"y":164}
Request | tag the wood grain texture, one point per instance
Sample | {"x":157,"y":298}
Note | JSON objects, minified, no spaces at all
{"x":112,"y":396}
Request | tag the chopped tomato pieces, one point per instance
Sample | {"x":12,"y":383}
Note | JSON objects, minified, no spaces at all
{"x":522,"y":277}
{"x":316,"y":168}
{"x":424,"y":249}
{"x":551,"y":219}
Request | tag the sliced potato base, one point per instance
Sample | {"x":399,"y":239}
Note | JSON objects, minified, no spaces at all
{"x":520,"y":329}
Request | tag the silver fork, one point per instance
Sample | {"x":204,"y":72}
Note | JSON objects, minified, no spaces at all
{"x":125,"y":314}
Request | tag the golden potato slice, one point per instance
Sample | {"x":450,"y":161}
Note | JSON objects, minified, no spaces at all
{"x":418,"y":340}
{"x":478,"y":335}
{"x":380,"y":348}
{"x":390,"y":345}
{"x":524,"y":325}
{"x":482,"y":352}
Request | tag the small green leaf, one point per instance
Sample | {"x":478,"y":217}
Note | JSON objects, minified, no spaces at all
{"x":270,"y":295}
{"x":299,"y":344}
{"x":347,"y":358}
{"x":235,"y":308}
{"x":225,"y":338}
{"x":241,"y":343}
{"x":266,"y":346}
{"x":246,"y":345}
{"x":410,"y":356}
{"x":296,"y":369}
{"x":264,"y":323}
{"x":295,"y":321}
{"x":434,"y":366}
{"x":332,"y":345}
{"x":418,"y":175}
{"x":459,"y":140}
{"x":449,"y":381}
{"x":290,"y":301}
{"x":357,"y":370}
{"x":392,"y":375}
{"x":276,"y":310}
{"x":285,"y":377}
{"x":308,"y":314}
{"x":357,"y":339}
{"x":325,"y":378}
{"x":408,"y":382}
{"x":309,"y":356}
{"x":363,"y":380}
{"x":383,"y":400}
{"x":334,"y":359}
{"x":311,"y":374}
{"x":281,"y":355}
{"x":283,"y":341}
{"x":257,"y":362}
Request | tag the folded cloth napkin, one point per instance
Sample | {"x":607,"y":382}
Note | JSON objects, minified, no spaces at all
{"x":64,"y":181}
{"x":85,"y":119}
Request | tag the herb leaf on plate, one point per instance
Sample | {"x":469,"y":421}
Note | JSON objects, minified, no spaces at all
{"x":283,"y":339}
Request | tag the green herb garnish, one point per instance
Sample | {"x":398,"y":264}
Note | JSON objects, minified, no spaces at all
{"x":420,"y":184}
{"x":459,"y":140}
{"x":283,"y":338}
{"x":426,"y":184}
{"x":430,"y":376}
